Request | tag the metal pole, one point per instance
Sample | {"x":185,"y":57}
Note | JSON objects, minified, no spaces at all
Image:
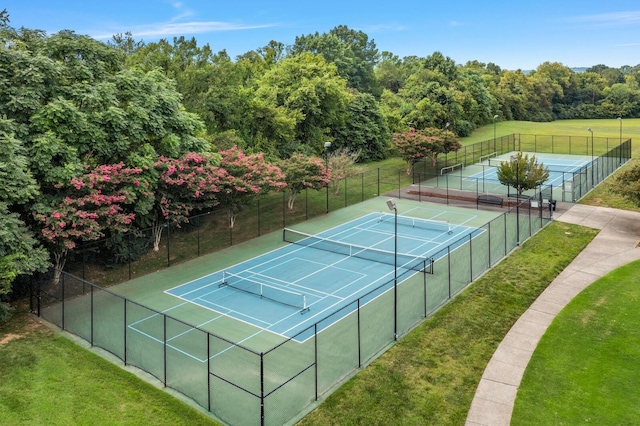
{"x":620,"y":144}
{"x":393,"y":206}
{"x":592,"y":165}
{"x":327,"y":145}
{"x":395,"y":274}
{"x":518,"y":201}
{"x":517,"y":160}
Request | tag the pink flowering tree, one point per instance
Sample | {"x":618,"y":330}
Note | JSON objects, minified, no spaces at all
{"x":414,"y":145}
{"x":247,"y":177}
{"x":342,"y":165}
{"x":185,"y":185}
{"x":303,"y":172}
{"x":99,"y":201}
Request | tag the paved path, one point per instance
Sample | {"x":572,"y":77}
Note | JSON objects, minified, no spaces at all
{"x":614,"y":246}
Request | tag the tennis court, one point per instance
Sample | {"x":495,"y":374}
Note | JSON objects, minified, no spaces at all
{"x":259,"y":331}
{"x":566,"y":172}
{"x":558,"y":166}
{"x":288,"y":289}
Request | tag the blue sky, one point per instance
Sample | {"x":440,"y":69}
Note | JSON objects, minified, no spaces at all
{"x":512,"y":34}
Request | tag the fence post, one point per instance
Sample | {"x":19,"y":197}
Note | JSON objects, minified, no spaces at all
{"x":315,"y":357}
{"x":168,"y":243}
{"x":208,"y":372}
{"x":92,"y":317}
{"x":229,"y":221}
{"x":125,"y":331}
{"x":262,"y":389}
{"x":62,"y":297}
{"x":164,"y":347}
{"x":470,"y":259}
{"x":128,"y":252}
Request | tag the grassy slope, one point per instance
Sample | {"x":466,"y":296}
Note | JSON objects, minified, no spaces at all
{"x":586,"y":365}
{"x":49,"y":380}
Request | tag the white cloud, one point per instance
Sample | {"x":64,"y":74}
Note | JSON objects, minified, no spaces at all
{"x":609,"y":19}
{"x":378,"y":28}
{"x":182,"y":28}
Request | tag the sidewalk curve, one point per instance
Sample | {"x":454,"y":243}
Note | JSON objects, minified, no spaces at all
{"x":614,"y":246}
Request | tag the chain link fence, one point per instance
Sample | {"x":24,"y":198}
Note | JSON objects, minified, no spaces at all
{"x":275,"y":386}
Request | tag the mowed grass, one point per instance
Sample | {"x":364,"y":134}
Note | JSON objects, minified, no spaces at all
{"x":609,"y":128}
{"x":46,"y":379}
{"x":585,"y":368}
{"x":429,"y":377}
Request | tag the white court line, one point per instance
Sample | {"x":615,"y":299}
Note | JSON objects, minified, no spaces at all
{"x":205,"y":303}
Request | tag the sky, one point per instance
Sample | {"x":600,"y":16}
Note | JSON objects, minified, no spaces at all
{"x":513,"y":34}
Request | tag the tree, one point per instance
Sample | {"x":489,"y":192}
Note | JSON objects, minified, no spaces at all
{"x":100,"y":201}
{"x":427,"y":143}
{"x":74,"y":106}
{"x":306,"y":91}
{"x":354,"y":55}
{"x":389,"y":72}
{"x":302,"y":172}
{"x":364,"y":130}
{"x":522,"y":173}
{"x":627,"y":183}
{"x":342,"y":164}
{"x":247,"y":177}
{"x":20,"y":252}
{"x":190,"y":183}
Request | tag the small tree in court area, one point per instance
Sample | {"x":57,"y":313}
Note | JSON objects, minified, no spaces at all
{"x":522,"y":173}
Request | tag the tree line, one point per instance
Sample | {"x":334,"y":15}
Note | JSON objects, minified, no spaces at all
{"x":100,"y":137}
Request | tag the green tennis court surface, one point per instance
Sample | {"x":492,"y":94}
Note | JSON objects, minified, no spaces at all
{"x":287,"y":290}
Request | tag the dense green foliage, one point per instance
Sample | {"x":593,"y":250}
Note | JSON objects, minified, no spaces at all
{"x":627,"y":183}
{"x":70,"y":104}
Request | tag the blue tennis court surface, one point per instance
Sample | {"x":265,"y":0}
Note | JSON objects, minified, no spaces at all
{"x":289,"y":289}
{"x":558,"y":166}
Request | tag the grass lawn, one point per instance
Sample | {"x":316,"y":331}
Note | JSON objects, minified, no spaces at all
{"x":429,"y":377}
{"x":601,"y":128}
{"x":49,"y":380}
{"x":585,"y":368}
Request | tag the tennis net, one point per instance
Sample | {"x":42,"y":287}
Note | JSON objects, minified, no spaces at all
{"x":402,"y":260}
{"x":432,"y":225}
{"x":266,"y":291}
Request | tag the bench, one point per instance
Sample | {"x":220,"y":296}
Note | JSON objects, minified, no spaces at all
{"x":490,"y":199}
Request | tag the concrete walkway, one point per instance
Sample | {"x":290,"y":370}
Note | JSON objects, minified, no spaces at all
{"x":614,"y":246}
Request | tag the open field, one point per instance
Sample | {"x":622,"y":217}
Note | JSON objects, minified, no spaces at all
{"x":601,"y":128}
